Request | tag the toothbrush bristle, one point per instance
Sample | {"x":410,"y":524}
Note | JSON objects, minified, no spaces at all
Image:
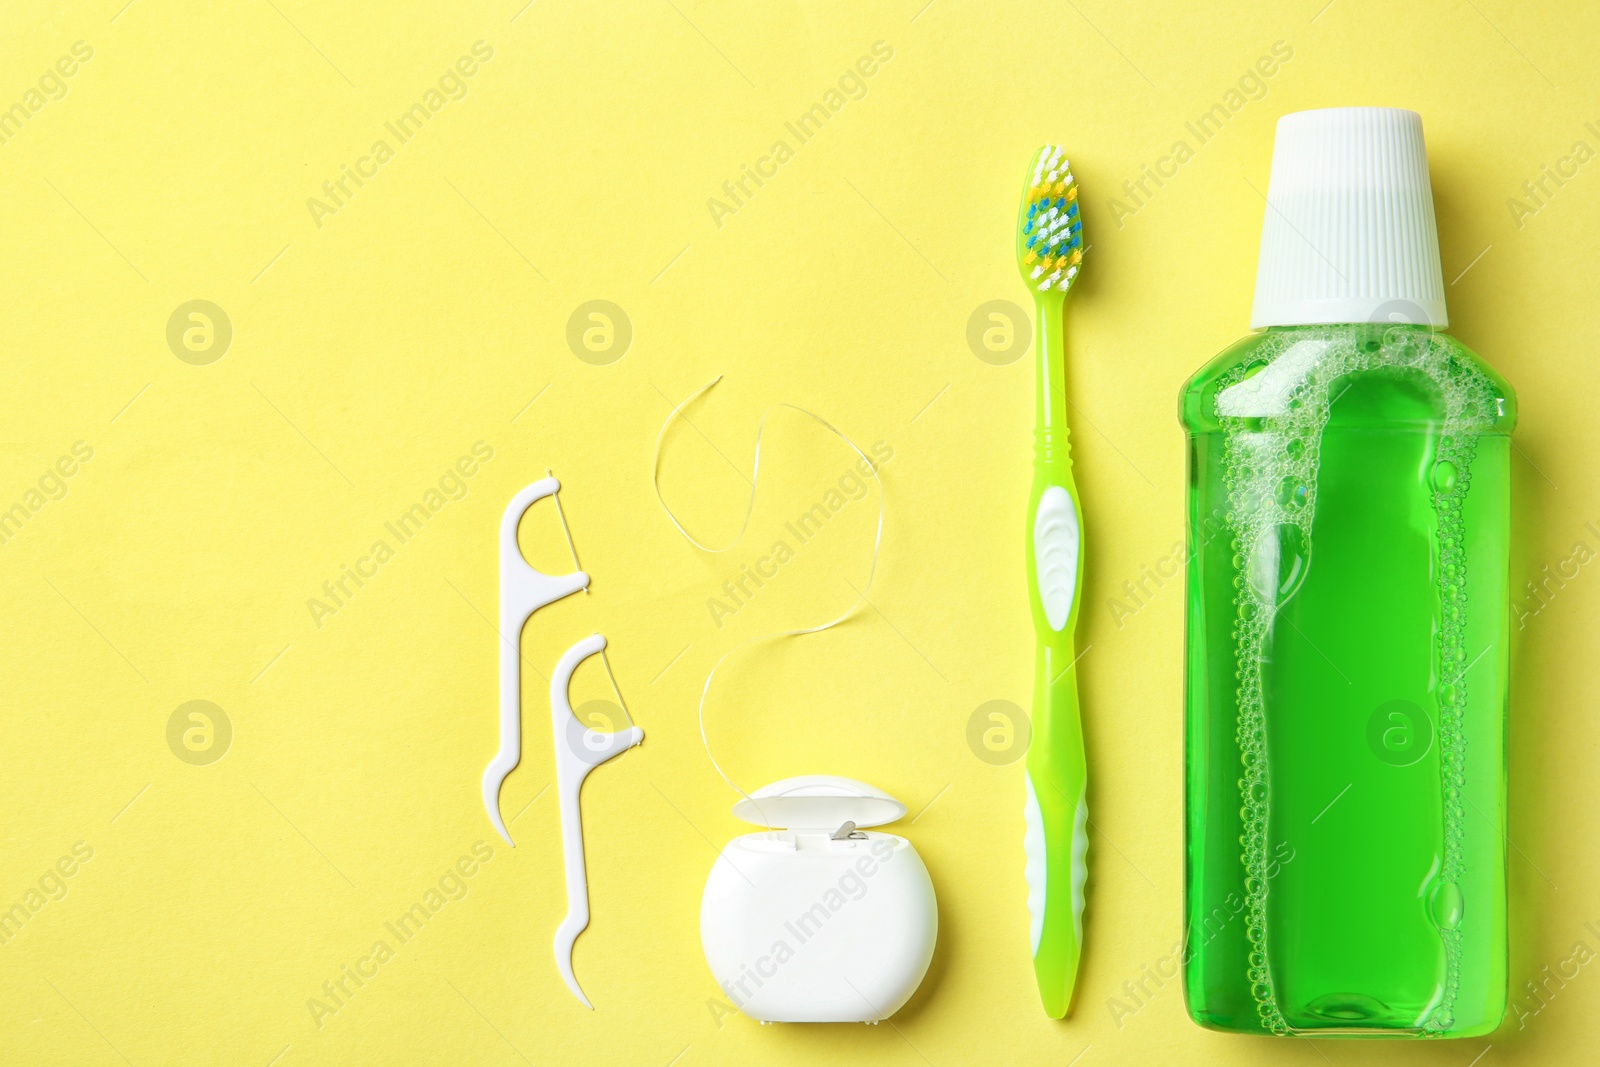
{"x":1049,"y":226}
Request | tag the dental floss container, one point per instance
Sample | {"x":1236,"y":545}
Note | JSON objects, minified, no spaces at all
{"x":816,"y":920}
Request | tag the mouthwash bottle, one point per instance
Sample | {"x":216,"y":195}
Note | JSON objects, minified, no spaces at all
{"x":1346,"y":681}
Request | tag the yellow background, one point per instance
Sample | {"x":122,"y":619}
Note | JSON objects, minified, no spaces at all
{"x":371,"y":352}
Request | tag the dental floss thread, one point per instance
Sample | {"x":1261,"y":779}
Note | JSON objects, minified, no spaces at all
{"x":755,"y":479}
{"x":571,"y":546}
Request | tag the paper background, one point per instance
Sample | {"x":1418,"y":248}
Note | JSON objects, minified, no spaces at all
{"x":429,"y":312}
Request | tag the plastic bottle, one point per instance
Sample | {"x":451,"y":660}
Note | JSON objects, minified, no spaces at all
{"x":1346,"y":680}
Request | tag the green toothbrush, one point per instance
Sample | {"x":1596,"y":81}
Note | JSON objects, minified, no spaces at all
{"x":1049,"y":251}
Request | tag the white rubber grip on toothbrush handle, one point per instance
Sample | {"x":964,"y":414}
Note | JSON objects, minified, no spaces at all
{"x":1056,"y":542}
{"x":1036,"y":868}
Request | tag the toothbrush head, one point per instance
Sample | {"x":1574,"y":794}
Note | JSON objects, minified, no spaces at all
{"x":1049,"y":228}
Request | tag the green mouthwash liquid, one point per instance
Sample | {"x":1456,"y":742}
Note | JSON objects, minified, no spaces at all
{"x":1347,"y":635}
{"x":1346,"y":680}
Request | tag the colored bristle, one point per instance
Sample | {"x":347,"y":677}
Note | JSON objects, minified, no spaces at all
{"x":1050,"y":228}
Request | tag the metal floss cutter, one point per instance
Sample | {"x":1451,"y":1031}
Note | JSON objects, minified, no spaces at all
{"x":821,"y":921}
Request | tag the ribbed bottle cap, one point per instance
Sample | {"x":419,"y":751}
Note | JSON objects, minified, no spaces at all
{"x":1349,"y":234}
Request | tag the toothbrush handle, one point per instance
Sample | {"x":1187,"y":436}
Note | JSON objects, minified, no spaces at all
{"x":1055,"y":837}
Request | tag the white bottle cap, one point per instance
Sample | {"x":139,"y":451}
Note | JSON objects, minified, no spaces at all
{"x":1349,"y":234}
